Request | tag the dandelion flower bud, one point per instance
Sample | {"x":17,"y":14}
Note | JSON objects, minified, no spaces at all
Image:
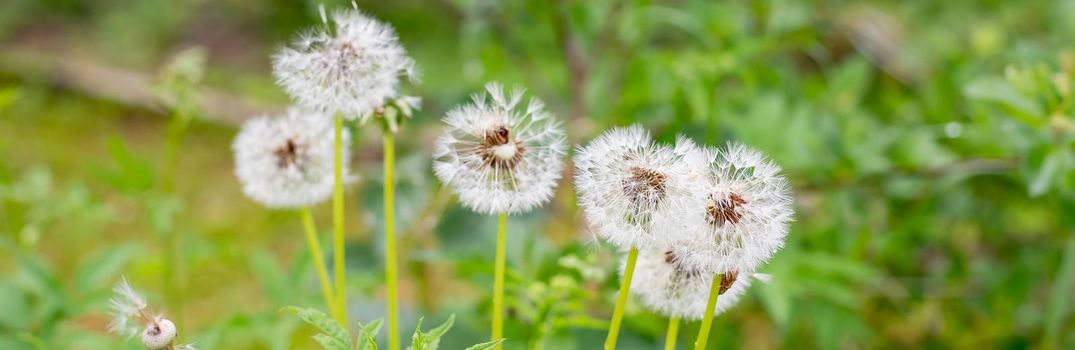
{"x":627,"y":184}
{"x":666,"y":286}
{"x":159,"y":335}
{"x":351,"y":70}
{"x":287,"y":162}
{"x":740,"y":217}
{"x":497,"y":157}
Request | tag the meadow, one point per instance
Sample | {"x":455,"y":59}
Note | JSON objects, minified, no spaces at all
{"x":929,"y":148}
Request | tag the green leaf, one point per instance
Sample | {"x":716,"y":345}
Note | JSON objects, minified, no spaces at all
{"x":15,"y":307}
{"x":1060,"y":295}
{"x":275,"y":286}
{"x":486,"y":345}
{"x":996,"y":90}
{"x":1044,"y":166}
{"x":368,"y":333}
{"x":418,"y":340}
{"x":330,"y":343}
{"x":777,"y":301}
{"x":333,"y":336}
{"x":435,"y":334}
{"x":131,"y":173}
{"x":103,"y":266}
{"x":430,"y":340}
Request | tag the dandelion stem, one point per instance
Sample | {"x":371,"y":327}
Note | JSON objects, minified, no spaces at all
{"x":337,"y":224}
{"x":319,"y":262}
{"x":390,"y":264}
{"x":621,"y":301}
{"x":673,"y":333}
{"x":498,"y":278}
{"x":707,"y":320}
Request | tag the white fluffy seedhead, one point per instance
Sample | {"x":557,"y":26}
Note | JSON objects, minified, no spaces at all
{"x":160,"y":334}
{"x":671,"y":289}
{"x":497,"y":157}
{"x":287,"y":161}
{"x":628,"y":185}
{"x":351,"y":70}
{"x":740,"y":218}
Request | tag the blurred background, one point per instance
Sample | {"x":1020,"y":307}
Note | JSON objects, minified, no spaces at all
{"x":931,"y":146}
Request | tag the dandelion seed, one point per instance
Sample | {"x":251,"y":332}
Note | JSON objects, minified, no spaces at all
{"x":352,"y":70}
{"x":287,"y":162}
{"x":499,"y":158}
{"x":740,"y":218}
{"x":128,"y":310}
{"x":130,"y":313}
{"x":664,"y":284}
{"x":628,"y":185}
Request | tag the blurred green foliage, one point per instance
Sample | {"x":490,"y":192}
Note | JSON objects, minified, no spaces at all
{"x":930,"y":144}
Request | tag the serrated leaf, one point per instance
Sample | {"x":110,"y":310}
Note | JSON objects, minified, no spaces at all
{"x":368,"y":334}
{"x":333,"y":336}
{"x":430,"y":340}
{"x":418,"y":340}
{"x":486,"y":345}
{"x":330,"y":343}
{"x":436,"y":333}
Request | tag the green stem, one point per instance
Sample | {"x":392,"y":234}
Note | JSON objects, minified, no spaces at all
{"x":621,"y":301}
{"x":390,"y":257}
{"x":673,"y":332}
{"x":319,"y":262}
{"x":175,"y":133}
{"x":337,"y":225}
{"x":707,"y":320}
{"x":498,"y":278}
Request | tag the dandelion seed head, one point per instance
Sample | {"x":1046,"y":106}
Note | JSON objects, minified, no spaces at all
{"x":629,"y":185}
{"x":740,"y":218}
{"x":160,"y":334}
{"x":287,"y":161}
{"x":666,"y":286}
{"x":498,"y":157}
{"x":351,"y":70}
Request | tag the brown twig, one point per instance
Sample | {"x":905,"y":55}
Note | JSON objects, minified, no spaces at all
{"x":119,"y":85}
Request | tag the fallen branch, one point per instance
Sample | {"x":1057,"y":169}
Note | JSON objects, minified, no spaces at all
{"x":119,"y":85}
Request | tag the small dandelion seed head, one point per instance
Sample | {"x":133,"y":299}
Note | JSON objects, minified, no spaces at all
{"x":351,"y":70}
{"x":629,"y":185}
{"x":664,"y":285}
{"x":287,"y":161}
{"x":159,"y":334}
{"x":498,"y":157}
{"x":741,"y":218}
{"x":131,"y":317}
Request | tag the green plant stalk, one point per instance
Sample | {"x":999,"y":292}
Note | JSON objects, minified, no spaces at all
{"x":337,"y":223}
{"x":498,"y":278}
{"x":390,"y":264}
{"x":707,"y":320}
{"x":319,"y":262}
{"x":174,"y":135}
{"x":621,"y":301}
{"x":673,"y":332}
